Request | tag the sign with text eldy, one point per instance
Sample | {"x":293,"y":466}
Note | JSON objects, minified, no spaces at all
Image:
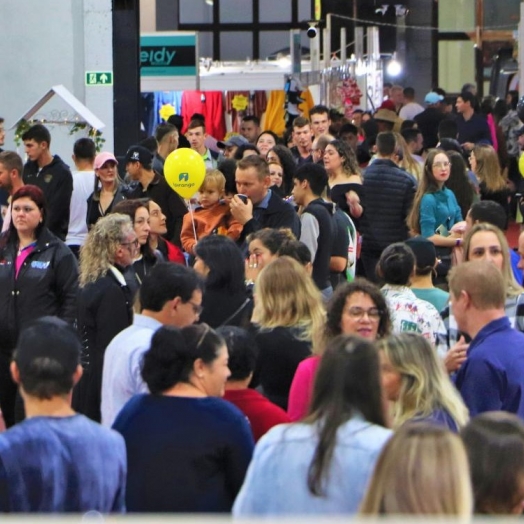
{"x":168,"y":54}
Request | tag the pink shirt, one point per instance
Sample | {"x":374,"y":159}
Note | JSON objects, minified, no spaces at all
{"x":20,"y":259}
{"x":301,"y":388}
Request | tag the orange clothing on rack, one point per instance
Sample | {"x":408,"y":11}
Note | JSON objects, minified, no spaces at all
{"x":275,"y":119}
{"x":216,"y":219}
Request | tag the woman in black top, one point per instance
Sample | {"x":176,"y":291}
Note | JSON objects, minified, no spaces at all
{"x":108,"y":190}
{"x":345,"y":181}
{"x":38,"y":277}
{"x":289,"y":319}
{"x":104,"y":302}
{"x":225,"y":300}
{"x":485,"y":164}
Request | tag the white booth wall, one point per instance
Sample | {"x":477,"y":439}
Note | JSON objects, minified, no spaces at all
{"x":51,"y":43}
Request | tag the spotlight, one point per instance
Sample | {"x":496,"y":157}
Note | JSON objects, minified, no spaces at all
{"x":394,"y":67}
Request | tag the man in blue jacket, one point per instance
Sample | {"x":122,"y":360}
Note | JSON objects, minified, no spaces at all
{"x":492,"y":378}
{"x":389,"y":193}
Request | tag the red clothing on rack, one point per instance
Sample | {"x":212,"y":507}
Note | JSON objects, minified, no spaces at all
{"x":211,"y":105}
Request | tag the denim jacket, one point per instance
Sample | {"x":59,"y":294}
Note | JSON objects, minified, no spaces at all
{"x":276,"y":481}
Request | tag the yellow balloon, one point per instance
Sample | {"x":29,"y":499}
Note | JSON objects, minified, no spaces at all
{"x":184,"y":170}
{"x":521,"y":165}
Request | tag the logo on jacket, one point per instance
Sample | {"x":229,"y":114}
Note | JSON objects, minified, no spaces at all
{"x":183,"y":177}
{"x":38,"y":264}
{"x":48,"y":178}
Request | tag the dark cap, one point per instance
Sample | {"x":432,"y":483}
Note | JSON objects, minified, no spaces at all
{"x":520,"y":131}
{"x":139,"y":154}
{"x":235,"y":140}
{"x":50,"y":338}
{"x":424,"y":250}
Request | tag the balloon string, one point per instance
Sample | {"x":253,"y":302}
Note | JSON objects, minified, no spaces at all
{"x":188,"y":202}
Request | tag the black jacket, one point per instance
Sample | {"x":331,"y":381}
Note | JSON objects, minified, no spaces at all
{"x":323,"y":214}
{"x":47,"y":284}
{"x":428,"y":122}
{"x":223,"y":308}
{"x":277,"y":215}
{"x":104,"y":310}
{"x":389,"y":196}
{"x":280,"y":351}
{"x":56,"y":181}
{"x":93,"y":205}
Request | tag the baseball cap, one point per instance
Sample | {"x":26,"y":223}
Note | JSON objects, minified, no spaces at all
{"x":49,"y":338}
{"x":388,"y":104}
{"x":102,"y":158}
{"x":424,"y":250}
{"x":433,"y":98}
{"x":235,"y":140}
{"x":139,"y":154}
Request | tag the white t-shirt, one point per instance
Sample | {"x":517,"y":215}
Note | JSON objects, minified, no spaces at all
{"x":83,"y":186}
{"x":410,"y":111}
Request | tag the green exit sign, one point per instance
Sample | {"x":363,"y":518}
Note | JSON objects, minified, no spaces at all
{"x":99,"y":78}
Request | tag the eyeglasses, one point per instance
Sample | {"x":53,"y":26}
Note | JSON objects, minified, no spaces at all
{"x":356,"y":313}
{"x":132,"y":243}
{"x":197,"y":309}
{"x":441,"y":164}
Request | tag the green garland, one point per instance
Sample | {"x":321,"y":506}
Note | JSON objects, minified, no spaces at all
{"x":95,"y":134}
{"x":21,"y":128}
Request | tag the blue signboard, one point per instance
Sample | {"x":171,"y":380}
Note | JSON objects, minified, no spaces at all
{"x":168,"y":54}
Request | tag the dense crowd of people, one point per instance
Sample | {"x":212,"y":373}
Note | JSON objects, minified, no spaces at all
{"x":333,"y":324}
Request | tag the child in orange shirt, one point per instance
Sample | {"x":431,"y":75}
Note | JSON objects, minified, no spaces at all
{"x":212,"y":216}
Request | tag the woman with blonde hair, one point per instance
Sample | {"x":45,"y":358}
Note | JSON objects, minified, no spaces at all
{"x":422,"y":470}
{"x":108,"y":189}
{"x":290,"y":318}
{"x":484,"y":162}
{"x":104,"y":301}
{"x":414,"y":379}
{"x":406,"y":160}
{"x":499,"y":254}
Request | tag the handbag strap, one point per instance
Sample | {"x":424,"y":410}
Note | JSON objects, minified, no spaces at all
{"x":243,"y":305}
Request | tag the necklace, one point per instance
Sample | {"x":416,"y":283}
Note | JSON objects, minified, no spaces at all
{"x":22,"y":248}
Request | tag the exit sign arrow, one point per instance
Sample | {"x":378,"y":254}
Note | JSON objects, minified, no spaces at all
{"x":99,"y":78}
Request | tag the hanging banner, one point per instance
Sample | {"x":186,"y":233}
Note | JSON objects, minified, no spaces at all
{"x":168,"y":54}
{"x":318,"y":9}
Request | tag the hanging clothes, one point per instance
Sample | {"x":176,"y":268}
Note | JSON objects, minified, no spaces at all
{"x":211,"y":105}
{"x":242,"y":103}
{"x":276,"y":113}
